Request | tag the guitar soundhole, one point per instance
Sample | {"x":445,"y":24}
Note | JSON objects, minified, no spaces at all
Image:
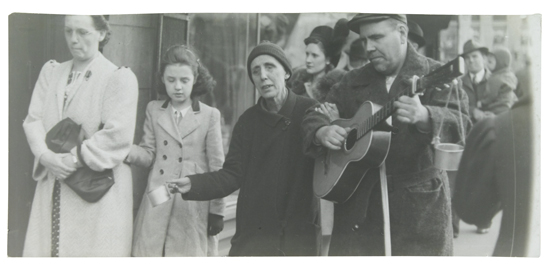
{"x":352,"y":138}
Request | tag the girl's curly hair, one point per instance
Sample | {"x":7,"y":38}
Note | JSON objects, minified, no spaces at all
{"x":181,"y":54}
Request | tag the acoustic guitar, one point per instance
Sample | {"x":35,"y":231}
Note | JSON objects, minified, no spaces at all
{"x":338,"y":174}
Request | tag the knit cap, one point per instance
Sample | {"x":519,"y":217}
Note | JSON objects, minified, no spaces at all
{"x":271,"y":49}
{"x":503,"y":58}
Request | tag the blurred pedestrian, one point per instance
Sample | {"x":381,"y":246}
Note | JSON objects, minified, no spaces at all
{"x":416,"y":35}
{"x":499,"y":95}
{"x":497,"y":173}
{"x":357,"y":55}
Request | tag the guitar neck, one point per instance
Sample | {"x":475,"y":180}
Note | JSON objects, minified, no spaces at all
{"x":444,"y":74}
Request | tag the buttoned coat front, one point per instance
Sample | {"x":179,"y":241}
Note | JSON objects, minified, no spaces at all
{"x":177,"y":227}
{"x":107,"y":96}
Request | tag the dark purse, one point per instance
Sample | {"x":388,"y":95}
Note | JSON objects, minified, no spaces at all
{"x":90,"y":185}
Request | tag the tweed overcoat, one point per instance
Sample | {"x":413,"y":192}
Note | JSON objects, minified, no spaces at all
{"x":177,"y":226}
{"x":420,"y":208}
{"x":277,"y":213}
{"x":108,"y":96}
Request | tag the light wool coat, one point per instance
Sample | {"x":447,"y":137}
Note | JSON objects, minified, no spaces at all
{"x":108,"y":96}
{"x":177,"y":226}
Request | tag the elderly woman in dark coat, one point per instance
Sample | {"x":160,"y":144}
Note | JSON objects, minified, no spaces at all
{"x":277,"y":213}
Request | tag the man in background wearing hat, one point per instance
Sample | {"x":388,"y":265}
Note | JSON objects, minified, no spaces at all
{"x":357,"y":55}
{"x":416,"y":35}
{"x":277,"y":213}
{"x":419,"y":197}
{"x":475,"y":81}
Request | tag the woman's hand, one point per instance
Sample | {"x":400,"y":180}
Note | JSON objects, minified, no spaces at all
{"x":330,"y":110}
{"x":179,"y":185}
{"x":57,"y":164}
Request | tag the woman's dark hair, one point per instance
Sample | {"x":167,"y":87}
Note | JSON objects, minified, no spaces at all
{"x":331,"y":41}
{"x":181,"y":54}
{"x":102,"y":24}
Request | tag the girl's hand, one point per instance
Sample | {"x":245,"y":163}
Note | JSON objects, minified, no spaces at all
{"x":179,"y":185}
{"x":330,"y":110}
{"x":55,"y":163}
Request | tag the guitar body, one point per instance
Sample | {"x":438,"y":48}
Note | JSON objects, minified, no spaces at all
{"x":338,"y":174}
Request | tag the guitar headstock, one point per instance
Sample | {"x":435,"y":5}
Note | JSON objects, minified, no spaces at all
{"x":440,"y":76}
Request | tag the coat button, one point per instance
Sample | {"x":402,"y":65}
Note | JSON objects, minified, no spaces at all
{"x":165,"y":142}
{"x":287,"y":122}
{"x":161,"y":171}
{"x":164,"y":157}
{"x":180,"y":159}
{"x":355,"y":227}
{"x":181,"y":146}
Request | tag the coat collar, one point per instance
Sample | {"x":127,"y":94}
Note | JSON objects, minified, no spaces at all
{"x":467,"y":81}
{"x":168,"y":123}
{"x":286,"y":110}
{"x":93,"y":68}
{"x":194,"y":104}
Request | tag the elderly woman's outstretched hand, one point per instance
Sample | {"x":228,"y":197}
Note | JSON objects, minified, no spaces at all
{"x":55,"y":164}
{"x":179,"y":185}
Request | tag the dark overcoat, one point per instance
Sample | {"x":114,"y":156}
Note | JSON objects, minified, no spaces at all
{"x":473,"y":92}
{"x":420,"y":208}
{"x":497,"y":173}
{"x":277,"y":213}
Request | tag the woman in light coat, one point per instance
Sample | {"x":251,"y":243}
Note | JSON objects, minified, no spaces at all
{"x":182,"y":136}
{"x":91,"y":91}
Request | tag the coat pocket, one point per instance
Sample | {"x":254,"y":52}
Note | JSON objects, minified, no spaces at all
{"x":429,"y":186}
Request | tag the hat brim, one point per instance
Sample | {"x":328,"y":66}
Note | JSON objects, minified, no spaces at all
{"x":483,"y":50}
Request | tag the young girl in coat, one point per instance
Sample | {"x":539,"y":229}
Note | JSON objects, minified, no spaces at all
{"x":182,"y":136}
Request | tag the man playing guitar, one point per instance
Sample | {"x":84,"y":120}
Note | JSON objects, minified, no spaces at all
{"x":419,"y":197}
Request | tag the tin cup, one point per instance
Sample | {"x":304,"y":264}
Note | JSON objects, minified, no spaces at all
{"x":447,"y":156}
{"x":159,"y":195}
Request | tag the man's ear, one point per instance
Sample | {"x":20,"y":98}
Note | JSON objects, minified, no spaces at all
{"x":403,"y":33}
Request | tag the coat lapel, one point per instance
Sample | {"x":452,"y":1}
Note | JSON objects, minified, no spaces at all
{"x":189,"y":122}
{"x":89,"y":71}
{"x":61,"y":85}
{"x":167,"y":122}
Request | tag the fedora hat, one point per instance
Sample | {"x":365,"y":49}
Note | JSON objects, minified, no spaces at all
{"x":416,"y":34}
{"x":471,"y":46}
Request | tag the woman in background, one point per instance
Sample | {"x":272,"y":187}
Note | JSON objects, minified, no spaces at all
{"x":323,"y":50}
{"x":101,"y":97}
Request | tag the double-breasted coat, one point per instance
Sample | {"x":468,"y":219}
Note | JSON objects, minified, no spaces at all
{"x":177,"y":227}
{"x":108,"y":96}
{"x":419,"y":197}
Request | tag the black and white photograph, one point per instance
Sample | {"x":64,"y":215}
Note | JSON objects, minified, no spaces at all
{"x":301,"y":131}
